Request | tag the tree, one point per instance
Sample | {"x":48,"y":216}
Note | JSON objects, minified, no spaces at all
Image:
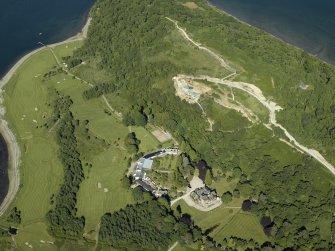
{"x":246,"y":205}
{"x":138,"y":194}
{"x":132,"y":143}
{"x":14,"y":216}
{"x":227,"y":197}
{"x":126,"y":182}
{"x":237,"y":172}
{"x":236,"y":193}
{"x":208,"y":178}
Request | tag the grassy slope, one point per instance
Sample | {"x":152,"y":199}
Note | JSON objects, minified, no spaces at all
{"x":186,"y":55}
{"x":244,"y":225}
{"x":226,"y":222}
{"x":41,"y":170}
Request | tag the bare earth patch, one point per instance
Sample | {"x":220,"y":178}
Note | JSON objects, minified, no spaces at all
{"x":244,"y":111}
{"x":161,"y":135}
{"x":188,"y":89}
{"x":191,"y":5}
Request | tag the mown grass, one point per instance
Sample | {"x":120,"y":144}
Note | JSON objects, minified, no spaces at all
{"x":207,"y":220}
{"x":110,"y":165}
{"x":226,"y":221}
{"x":148,"y":142}
{"x":26,"y":98}
{"x":244,"y":225}
{"x":41,"y":172}
{"x":222,"y":185}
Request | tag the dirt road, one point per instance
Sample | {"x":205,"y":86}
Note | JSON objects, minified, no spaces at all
{"x":254,"y":91}
{"x":218,"y":57}
{"x":173,"y":246}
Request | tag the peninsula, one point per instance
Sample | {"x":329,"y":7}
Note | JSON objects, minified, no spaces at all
{"x":169,"y":125}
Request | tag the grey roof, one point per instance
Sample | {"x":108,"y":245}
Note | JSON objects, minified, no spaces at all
{"x":150,"y":155}
{"x":205,"y":193}
{"x":145,"y":186}
{"x":147,"y":163}
{"x":138,"y":174}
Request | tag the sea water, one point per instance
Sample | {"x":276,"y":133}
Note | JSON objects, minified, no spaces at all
{"x":23,"y":23}
{"x":308,"y":24}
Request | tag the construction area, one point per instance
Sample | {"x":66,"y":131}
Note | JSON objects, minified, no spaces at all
{"x":188,"y":89}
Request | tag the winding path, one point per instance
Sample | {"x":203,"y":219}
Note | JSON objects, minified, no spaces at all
{"x":256,"y":93}
{"x":173,"y":246}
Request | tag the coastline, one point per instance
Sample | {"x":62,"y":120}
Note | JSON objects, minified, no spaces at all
{"x":11,"y":142}
{"x":222,"y":11}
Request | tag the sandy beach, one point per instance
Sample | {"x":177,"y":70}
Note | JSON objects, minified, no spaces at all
{"x":12,"y":145}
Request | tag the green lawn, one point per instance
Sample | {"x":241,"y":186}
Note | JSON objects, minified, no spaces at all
{"x":242,"y":225}
{"x":93,"y":202}
{"x":26,"y":98}
{"x":225,"y":222}
{"x":206,"y":220}
{"x":41,"y":171}
{"x":222,"y":185}
{"x":148,"y":142}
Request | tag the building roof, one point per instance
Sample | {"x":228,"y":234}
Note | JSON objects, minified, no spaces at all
{"x":150,"y":155}
{"x":145,"y":186}
{"x":147,"y":164}
{"x":138,"y":174}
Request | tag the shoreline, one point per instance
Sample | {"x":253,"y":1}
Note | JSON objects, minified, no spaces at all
{"x":222,"y":11}
{"x":14,"y":153}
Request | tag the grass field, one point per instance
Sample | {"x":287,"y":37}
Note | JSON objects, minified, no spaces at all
{"x":242,"y":225}
{"x":41,"y":171}
{"x":148,"y":142}
{"x":226,"y":221}
{"x":26,"y":97}
{"x":109,"y":166}
{"x":186,"y":56}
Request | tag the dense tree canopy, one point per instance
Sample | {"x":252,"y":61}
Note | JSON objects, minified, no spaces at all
{"x":146,"y":226}
{"x":63,"y":219}
{"x":127,"y":39}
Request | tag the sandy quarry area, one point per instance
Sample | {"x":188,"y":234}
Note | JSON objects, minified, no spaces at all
{"x":189,"y":90}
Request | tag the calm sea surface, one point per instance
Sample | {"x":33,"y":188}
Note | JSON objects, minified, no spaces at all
{"x":308,"y":24}
{"x":23,"y":23}
{"x":3,"y":169}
